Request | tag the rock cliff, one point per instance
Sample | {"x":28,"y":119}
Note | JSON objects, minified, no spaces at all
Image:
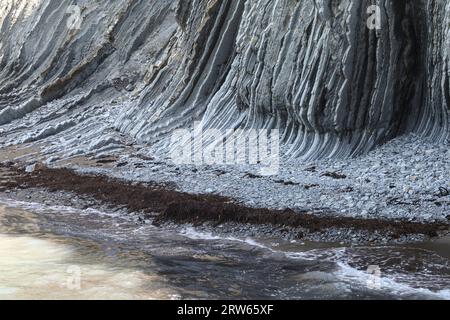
{"x":93,"y":76}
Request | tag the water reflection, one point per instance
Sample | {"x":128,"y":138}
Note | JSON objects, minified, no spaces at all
{"x":44,"y":266}
{"x":64,"y":253}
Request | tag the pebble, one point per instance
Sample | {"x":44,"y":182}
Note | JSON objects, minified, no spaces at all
{"x":30,"y":168}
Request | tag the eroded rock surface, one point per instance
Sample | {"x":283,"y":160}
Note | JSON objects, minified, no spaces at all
{"x":95,"y":76}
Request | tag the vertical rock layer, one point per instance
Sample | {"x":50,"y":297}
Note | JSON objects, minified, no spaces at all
{"x":311,"y":68}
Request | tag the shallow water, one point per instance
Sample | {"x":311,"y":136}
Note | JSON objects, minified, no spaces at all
{"x":65,"y":253}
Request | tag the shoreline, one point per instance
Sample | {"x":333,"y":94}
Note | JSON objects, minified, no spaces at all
{"x":163,"y":205}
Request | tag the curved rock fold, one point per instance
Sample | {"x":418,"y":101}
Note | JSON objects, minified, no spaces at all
{"x":73,"y":72}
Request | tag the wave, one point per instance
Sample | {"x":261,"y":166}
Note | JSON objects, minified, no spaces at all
{"x":345,"y":272}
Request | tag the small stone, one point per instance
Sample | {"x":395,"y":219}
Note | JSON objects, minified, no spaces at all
{"x":30,"y":168}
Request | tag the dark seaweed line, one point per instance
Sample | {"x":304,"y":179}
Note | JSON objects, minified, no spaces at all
{"x":174,"y":206}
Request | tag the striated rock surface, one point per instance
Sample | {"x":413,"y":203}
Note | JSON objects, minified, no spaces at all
{"x":95,"y":76}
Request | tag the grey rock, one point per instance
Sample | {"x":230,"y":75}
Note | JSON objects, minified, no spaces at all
{"x":30,"y":168}
{"x":332,"y":87}
{"x":309,"y":68}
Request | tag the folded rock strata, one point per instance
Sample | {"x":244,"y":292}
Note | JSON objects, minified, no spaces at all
{"x":90,"y":76}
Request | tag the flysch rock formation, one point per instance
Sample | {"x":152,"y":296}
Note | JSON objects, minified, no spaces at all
{"x":87,"y":76}
{"x":361,"y":105}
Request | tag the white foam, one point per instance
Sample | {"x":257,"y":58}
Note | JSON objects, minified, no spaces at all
{"x":344,"y":273}
{"x":192,"y":233}
{"x":40,"y":208}
{"x":349,"y":273}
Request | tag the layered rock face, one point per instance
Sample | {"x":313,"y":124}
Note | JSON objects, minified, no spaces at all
{"x":91,"y":76}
